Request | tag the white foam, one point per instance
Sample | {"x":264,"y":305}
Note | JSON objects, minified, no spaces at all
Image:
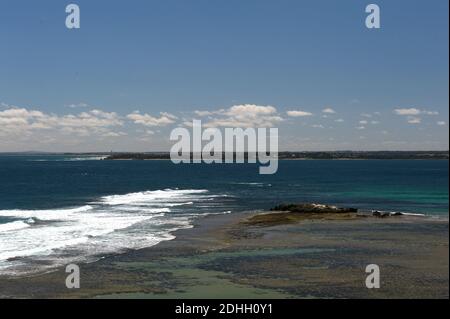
{"x":111,"y":224}
{"x":149,"y":196}
{"x":413,"y":214}
{"x":13,"y":226}
{"x":255,"y":184}
{"x":49,"y":214}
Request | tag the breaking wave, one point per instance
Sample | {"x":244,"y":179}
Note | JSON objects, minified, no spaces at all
{"x":111,"y":224}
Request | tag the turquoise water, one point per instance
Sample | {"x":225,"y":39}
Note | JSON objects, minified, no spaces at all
{"x":53,"y":206}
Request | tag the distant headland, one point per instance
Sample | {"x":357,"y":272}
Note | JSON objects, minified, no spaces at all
{"x":330,"y":155}
{"x":284,"y":155}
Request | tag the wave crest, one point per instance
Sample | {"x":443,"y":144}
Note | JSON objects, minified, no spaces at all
{"x":111,"y":224}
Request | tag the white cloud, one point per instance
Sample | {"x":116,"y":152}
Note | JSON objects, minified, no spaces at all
{"x":317,"y":126}
{"x":38,"y":119}
{"x":441,"y":123}
{"x":78,"y":105}
{"x":361,"y":127}
{"x":430,"y":112}
{"x":410,"y":111}
{"x":203,"y":113}
{"x":412,"y":114}
{"x":414,"y":120}
{"x":370,"y":115}
{"x":114,"y":134}
{"x":298,"y":113}
{"x":245,"y":115}
{"x":414,"y":111}
{"x":148,"y":120}
{"x":24,"y":122}
{"x":329,"y":110}
{"x":365,"y":122}
{"x":339,"y":120}
{"x":187,"y":123}
{"x":90,"y":119}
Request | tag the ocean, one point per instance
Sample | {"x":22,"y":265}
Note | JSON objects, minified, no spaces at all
{"x":56,"y":209}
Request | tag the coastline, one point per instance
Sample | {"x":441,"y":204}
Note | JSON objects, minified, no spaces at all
{"x":225,"y":256}
{"x":299,"y":159}
{"x":290,"y":155}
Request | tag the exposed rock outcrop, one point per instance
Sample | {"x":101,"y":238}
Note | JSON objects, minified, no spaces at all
{"x":313,"y":209}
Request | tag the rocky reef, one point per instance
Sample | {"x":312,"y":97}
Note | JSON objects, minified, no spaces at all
{"x":294,"y":213}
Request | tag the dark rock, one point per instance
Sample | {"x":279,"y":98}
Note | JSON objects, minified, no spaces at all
{"x":379,"y":214}
{"x":376,"y":213}
{"x":396,"y":214}
{"x":311,"y":208}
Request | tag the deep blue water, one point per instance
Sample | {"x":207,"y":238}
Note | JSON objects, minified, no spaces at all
{"x":42,"y":182}
{"x":59,"y":208}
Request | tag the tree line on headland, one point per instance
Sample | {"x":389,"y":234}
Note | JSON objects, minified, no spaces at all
{"x":326,"y":155}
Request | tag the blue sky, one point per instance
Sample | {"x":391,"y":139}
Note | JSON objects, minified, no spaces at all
{"x":80,"y":90}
